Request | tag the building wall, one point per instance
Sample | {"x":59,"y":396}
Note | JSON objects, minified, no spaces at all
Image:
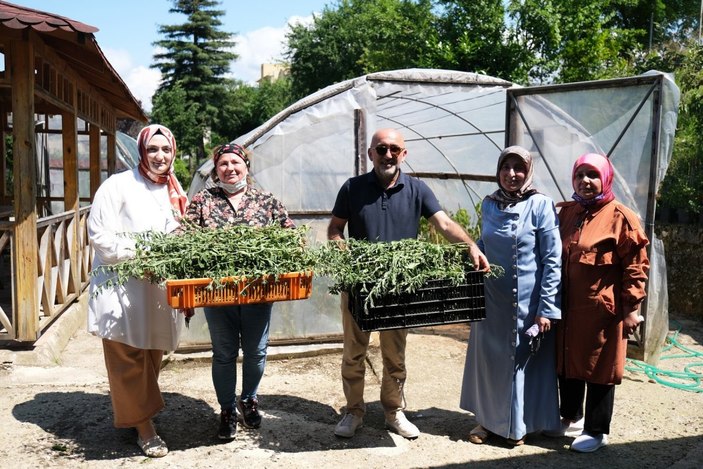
{"x":273,"y":72}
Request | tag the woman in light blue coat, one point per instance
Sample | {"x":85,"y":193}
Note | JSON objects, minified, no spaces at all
{"x":510,"y":382}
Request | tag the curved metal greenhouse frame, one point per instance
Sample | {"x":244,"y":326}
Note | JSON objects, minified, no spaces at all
{"x":455,"y":124}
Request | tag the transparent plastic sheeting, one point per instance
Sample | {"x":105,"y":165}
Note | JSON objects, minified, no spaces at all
{"x":619,"y":121}
{"x":451,"y":121}
{"x":454,"y":125}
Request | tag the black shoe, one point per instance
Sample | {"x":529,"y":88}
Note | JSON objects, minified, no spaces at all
{"x":248,"y":413}
{"x":228,"y":425}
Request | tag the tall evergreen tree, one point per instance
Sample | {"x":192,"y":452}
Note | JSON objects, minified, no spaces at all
{"x":196,"y":57}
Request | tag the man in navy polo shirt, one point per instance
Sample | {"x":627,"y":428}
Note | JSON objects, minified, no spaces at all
{"x":385,"y":205}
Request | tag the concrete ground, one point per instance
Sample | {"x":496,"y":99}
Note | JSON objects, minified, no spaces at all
{"x":55,"y":412}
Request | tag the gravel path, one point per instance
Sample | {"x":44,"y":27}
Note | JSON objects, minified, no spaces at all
{"x":60,"y":416}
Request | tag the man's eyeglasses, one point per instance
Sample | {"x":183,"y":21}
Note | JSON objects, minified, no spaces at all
{"x":383,"y":149}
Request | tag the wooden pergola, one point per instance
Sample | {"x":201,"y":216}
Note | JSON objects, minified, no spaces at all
{"x":54,"y":71}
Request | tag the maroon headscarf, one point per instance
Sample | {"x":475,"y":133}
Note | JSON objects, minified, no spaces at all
{"x":176,"y":194}
{"x":606,"y":172}
{"x":230,"y":148}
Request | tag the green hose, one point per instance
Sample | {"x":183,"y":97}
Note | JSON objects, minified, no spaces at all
{"x":688,"y":380}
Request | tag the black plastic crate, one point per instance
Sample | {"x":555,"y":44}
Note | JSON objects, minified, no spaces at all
{"x":438,"y":302}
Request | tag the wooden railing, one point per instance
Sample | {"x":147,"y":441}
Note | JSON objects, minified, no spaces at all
{"x":7,"y":329}
{"x":62,"y":274}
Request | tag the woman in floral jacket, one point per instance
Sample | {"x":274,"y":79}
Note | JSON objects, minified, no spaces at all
{"x":233,"y":202}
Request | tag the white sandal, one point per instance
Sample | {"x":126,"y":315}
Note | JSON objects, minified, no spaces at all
{"x":154,"y":447}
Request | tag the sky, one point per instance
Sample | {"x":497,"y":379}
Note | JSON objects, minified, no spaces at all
{"x":127,"y":29}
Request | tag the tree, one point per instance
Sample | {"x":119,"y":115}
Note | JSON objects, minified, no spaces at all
{"x":360,"y":37}
{"x":172,"y":108}
{"x":474,"y":37}
{"x":272,"y":97}
{"x":541,"y":41}
{"x":682,"y":187}
{"x":246,"y":107}
{"x":195,"y":60}
{"x":659,"y":21}
{"x":574,"y":41}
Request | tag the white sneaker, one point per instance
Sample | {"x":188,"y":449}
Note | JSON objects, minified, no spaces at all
{"x":566,"y":429}
{"x":397,"y":422}
{"x":586,"y":443}
{"x":348,"y":425}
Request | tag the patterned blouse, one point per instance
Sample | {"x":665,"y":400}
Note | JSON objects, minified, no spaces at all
{"x":212,"y":209}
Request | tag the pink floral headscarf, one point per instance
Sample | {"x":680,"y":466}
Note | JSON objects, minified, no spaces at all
{"x":605,"y":170}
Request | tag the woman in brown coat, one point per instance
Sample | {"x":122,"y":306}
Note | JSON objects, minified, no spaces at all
{"x":605,"y":267}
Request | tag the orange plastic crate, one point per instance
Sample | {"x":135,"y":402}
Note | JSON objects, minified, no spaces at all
{"x":194,"y":292}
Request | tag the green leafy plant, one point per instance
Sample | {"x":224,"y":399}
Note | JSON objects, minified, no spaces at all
{"x":381,"y":268}
{"x":235,"y":251}
{"x":462,"y":217}
{"x":396,"y":267}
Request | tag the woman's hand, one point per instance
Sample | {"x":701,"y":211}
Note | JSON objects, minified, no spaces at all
{"x":630,"y":323}
{"x":545,"y":324}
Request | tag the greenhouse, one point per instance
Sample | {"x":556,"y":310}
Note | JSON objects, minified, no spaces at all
{"x":455,"y":125}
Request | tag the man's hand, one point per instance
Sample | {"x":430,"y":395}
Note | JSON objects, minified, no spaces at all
{"x":478,"y":258}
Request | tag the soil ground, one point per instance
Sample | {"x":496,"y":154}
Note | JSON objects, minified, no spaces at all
{"x":60,"y":416}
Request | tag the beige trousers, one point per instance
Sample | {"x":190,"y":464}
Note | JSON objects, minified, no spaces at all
{"x":133,"y":375}
{"x":356,"y":343}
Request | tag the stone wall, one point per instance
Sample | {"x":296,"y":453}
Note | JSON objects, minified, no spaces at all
{"x":684,"y":264}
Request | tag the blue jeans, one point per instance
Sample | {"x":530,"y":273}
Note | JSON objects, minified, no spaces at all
{"x":231,"y":326}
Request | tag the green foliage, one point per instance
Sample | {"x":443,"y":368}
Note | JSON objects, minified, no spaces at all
{"x":270,"y":98}
{"x":196,"y":58}
{"x":182,"y":172}
{"x":196,"y":53}
{"x":462,"y":217}
{"x":683,"y":185}
{"x":664,"y":20}
{"x":519,"y":40}
{"x":246,"y":107}
{"x":391,"y":267}
{"x":235,"y":251}
{"x":474,"y":37}
{"x":359,"y":37}
{"x":172,"y":108}
{"x":252,"y":252}
{"x":574,"y":41}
